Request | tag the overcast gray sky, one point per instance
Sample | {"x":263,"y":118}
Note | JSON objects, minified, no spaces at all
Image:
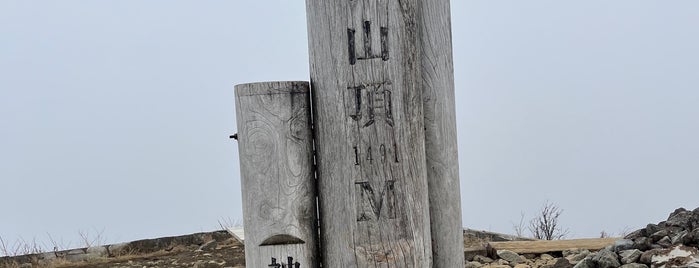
{"x":115,"y":115}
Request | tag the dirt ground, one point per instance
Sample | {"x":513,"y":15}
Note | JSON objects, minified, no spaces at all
{"x":228,"y":253}
{"x":218,"y":253}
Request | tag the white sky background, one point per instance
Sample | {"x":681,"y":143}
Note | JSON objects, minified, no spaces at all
{"x":115,"y":115}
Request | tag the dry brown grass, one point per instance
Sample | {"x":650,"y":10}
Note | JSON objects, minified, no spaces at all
{"x":473,"y":241}
{"x":63,"y":263}
{"x":20,"y":247}
{"x":105,"y":260}
{"x":23,"y":253}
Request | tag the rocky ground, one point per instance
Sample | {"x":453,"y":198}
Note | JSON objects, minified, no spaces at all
{"x":227,"y":253}
{"x":671,"y":243}
{"x":203,"y":250}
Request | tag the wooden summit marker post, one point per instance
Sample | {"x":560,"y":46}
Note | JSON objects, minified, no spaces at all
{"x":276,"y":166}
{"x":368,"y":119}
{"x":375,"y":58}
{"x":440,"y":133}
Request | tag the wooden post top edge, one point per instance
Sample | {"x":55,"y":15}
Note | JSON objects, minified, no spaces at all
{"x":272,"y":88}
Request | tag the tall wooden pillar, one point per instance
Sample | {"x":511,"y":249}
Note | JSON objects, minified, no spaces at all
{"x":370,"y":137}
{"x":440,"y":133}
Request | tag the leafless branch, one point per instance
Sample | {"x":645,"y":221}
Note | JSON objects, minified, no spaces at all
{"x":3,"y":247}
{"x":519,"y":227}
{"x":545,"y":225}
{"x":89,"y":241}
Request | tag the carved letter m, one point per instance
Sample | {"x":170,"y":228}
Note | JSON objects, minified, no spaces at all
{"x":370,"y":205}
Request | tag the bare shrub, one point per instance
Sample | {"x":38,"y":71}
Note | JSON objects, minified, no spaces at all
{"x":519,"y":227}
{"x":92,"y":240}
{"x":226,"y":223}
{"x":20,"y":247}
{"x":3,"y":248}
{"x":545,"y":224}
{"x":624,"y":231}
{"x":58,"y":245}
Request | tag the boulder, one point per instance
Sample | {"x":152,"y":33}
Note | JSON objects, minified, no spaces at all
{"x":622,"y":244}
{"x":682,"y":218}
{"x":551,"y":262}
{"x":482,"y":259}
{"x":651,"y":228}
{"x":665,"y":242}
{"x":656,"y":246}
{"x":546,"y":257}
{"x":630,"y":255}
{"x":575,"y":258}
{"x":636,"y":234}
{"x":606,"y":259}
{"x":642,"y":243}
{"x":531,"y":263}
{"x":572,"y":251}
{"x":539,"y":263}
{"x":655,"y":237}
{"x":695,"y":237}
{"x":473,"y":264}
{"x":634,"y":265}
{"x":496,"y":266}
{"x":586,"y":263}
{"x":682,"y":238}
{"x":510,"y":256}
{"x":647,"y":256}
{"x":529,"y":256}
{"x":562,"y":263}
{"x":471,"y":252}
{"x":502,"y":262}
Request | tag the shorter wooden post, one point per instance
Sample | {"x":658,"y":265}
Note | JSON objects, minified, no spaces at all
{"x":276,"y":165}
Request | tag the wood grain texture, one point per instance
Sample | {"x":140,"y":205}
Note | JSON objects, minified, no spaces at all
{"x":367,"y":98}
{"x":543,"y":246}
{"x":441,"y":146}
{"x":276,"y":163}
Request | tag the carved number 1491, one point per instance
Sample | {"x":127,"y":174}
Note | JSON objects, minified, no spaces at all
{"x":370,"y":153}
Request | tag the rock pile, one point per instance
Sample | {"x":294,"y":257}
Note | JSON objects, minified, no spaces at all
{"x":681,"y":228}
{"x":566,"y":259}
{"x":671,"y":243}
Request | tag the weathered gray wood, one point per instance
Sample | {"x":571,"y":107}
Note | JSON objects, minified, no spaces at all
{"x":543,"y":246}
{"x":440,"y":133}
{"x":367,"y":98}
{"x":276,"y":156}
